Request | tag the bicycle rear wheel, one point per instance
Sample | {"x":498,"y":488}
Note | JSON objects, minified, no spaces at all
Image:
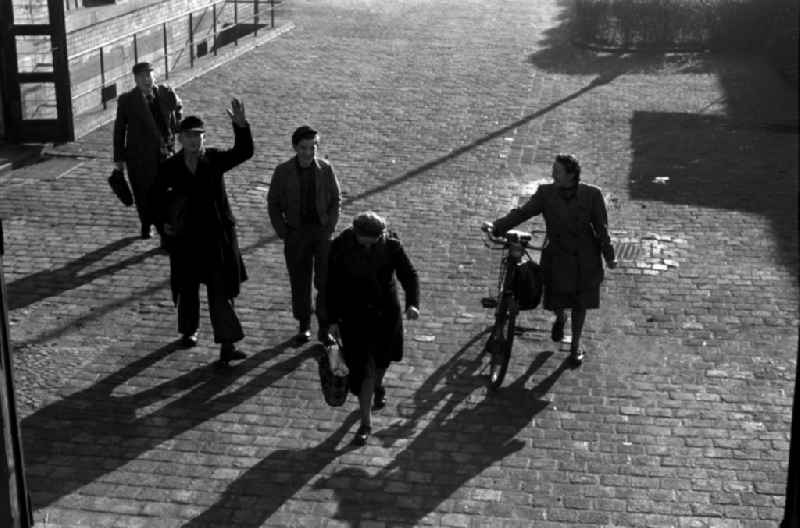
{"x":499,"y":348}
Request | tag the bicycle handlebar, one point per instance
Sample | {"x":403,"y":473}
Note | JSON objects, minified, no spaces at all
{"x":511,"y":237}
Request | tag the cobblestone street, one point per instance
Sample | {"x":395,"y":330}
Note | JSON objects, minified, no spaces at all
{"x":438,"y":114}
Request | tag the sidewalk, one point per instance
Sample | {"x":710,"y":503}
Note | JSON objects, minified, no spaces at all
{"x":439,"y":115}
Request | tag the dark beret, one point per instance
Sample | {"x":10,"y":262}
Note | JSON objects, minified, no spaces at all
{"x":369,"y":224}
{"x":141,"y":67}
{"x":192,"y":124}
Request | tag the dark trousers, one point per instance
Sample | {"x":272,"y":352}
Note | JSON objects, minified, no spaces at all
{"x":306,"y":251}
{"x":142,"y":177}
{"x":224,"y":320}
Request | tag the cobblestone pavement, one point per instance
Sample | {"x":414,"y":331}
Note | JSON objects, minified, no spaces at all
{"x":439,"y":114}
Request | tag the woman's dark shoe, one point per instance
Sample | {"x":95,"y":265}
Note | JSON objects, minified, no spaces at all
{"x":577,"y":357}
{"x":380,"y":398}
{"x":228,"y":352}
{"x":557,"y":332}
{"x":360,"y":439}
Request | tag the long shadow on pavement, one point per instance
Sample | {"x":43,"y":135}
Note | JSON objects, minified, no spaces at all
{"x":76,"y":440}
{"x":426,"y":473}
{"x":48,"y":283}
{"x":260,"y":492}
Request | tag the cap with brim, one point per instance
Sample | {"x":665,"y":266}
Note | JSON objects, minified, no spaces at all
{"x":192,"y":124}
{"x":141,"y":67}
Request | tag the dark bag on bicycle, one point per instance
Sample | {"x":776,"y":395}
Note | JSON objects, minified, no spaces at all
{"x":528,"y":285}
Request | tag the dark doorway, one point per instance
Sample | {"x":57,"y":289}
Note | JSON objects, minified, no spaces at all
{"x":36,"y":89}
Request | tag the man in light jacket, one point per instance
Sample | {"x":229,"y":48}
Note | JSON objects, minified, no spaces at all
{"x":303,"y":203}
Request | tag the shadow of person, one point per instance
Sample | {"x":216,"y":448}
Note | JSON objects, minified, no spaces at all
{"x":48,"y":283}
{"x":456,"y":378}
{"x":74,"y":441}
{"x":260,"y":492}
{"x":451,"y":450}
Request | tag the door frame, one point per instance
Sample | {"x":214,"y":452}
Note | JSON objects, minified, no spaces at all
{"x":17,"y":128}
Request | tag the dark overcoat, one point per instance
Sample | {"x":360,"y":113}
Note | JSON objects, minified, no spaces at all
{"x":197,"y":205}
{"x":577,"y":235}
{"x":362,"y":299}
{"x":137,"y":139}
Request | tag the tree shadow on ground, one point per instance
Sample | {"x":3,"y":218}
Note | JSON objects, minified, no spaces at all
{"x":48,"y":283}
{"x":426,"y":473}
{"x":741,"y":158}
{"x":707,"y":161}
{"x":76,"y":440}
{"x":260,"y":492}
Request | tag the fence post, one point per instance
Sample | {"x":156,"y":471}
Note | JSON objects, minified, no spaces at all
{"x":272,"y":14}
{"x":15,"y":504}
{"x":214,"y":18}
{"x":166,"y":54}
{"x":255,"y":17}
{"x":236,"y":22}
{"x":191,"y":41}
{"x":135,"y":49}
{"x":103,"y":75}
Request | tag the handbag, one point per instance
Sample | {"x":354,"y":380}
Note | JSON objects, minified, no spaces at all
{"x":333,"y":375}
{"x":120,"y":187}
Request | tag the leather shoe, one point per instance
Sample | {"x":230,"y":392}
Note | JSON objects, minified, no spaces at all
{"x":229,"y":353}
{"x":303,"y":336}
{"x":380,"y":398}
{"x":145,"y":233}
{"x":360,"y":439}
{"x":189,"y":340}
{"x":577,"y":357}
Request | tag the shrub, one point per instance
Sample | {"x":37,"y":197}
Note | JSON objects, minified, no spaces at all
{"x":681,"y":24}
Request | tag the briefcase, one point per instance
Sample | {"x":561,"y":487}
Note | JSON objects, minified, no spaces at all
{"x":120,"y":187}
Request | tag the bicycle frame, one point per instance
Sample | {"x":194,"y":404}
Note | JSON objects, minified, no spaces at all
{"x":500,"y":341}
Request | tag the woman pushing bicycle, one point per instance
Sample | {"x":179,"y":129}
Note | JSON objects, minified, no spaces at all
{"x":577,"y":236}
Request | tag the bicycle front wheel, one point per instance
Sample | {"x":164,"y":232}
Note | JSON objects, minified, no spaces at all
{"x":502,"y":339}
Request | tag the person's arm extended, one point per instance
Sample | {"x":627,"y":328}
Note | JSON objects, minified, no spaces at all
{"x":516,"y":216}
{"x":243,"y":139}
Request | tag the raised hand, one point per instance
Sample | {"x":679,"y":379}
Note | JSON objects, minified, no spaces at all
{"x":236,"y":113}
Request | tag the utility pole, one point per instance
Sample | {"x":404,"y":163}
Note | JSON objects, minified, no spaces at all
{"x":15,"y":504}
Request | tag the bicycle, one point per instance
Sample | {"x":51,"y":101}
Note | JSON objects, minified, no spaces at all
{"x":506,"y":303}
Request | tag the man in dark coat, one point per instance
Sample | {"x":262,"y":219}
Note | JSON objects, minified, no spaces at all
{"x":577,"y":236}
{"x":303,"y":204}
{"x":144,"y":135}
{"x":364,"y":309}
{"x":196,"y":218}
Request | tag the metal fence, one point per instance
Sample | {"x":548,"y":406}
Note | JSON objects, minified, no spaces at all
{"x":180,"y":42}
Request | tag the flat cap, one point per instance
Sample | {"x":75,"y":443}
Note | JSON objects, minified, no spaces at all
{"x":141,"y":67}
{"x":192,"y":124}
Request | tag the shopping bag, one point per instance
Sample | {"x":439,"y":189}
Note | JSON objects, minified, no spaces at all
{"x":333,"y":375}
